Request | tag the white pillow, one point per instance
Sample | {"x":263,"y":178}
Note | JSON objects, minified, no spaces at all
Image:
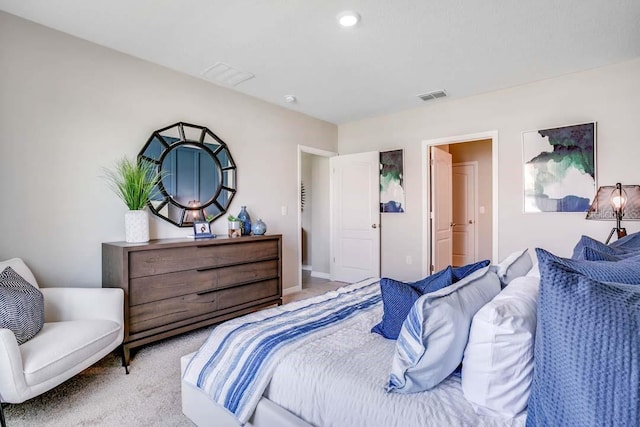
{"x":497,"y":367}
{"x":515,"y":265}
{"x":434,"y":335}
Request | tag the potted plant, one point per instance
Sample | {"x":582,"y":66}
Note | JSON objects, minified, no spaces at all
{"x":135,"y":183}
{"x":235,"y":226}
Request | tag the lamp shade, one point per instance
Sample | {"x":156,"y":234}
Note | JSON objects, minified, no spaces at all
{"x":611,"y":198}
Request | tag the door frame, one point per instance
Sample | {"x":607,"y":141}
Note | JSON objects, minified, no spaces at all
{"x":426,"y":193}
{"x":317,"y":152}
{"x":475,"y":164}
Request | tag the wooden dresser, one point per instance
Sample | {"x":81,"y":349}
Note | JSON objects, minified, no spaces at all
{"x":173,"y":286}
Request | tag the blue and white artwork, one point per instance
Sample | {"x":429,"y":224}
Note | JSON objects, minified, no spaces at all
{"x":391,"y":181}
{"x":559,"y":168}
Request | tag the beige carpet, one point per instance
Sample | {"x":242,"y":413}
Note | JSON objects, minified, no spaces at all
{"x":104,"y":396}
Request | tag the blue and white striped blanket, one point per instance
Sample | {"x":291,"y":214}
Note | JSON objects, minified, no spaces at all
{"x":236,"y":363}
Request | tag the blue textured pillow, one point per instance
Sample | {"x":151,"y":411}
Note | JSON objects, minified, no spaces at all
{"x":630,"y":242}
{"x":624,"y":271}
{"x":434,"y":282}
{"x":590,"y":254}
{"x":462,"y":272}
{"x":588,"y":242}
{"x":586,"y":351}
{"x":398,"y":298}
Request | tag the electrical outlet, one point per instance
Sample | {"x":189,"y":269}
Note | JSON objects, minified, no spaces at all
{"x":284,"y":210}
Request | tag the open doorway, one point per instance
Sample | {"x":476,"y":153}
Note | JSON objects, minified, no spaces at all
{"x":313,"y":217}
{"x":466,"y":230}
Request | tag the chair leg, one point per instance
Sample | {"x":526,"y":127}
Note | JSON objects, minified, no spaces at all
{"x":3,"y":423}
{"x":126,"y":356}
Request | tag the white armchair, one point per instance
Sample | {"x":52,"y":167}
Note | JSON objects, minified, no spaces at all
{"x":82,"y":325}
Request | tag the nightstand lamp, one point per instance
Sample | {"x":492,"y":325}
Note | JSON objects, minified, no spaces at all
{"x":615,"y":203}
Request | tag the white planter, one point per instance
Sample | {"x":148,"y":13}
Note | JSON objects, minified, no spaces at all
{"x":136,"y":226}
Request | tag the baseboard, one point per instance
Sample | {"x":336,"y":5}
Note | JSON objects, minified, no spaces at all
{"x":321,"y":275}
{"x":292,"y":289}
{"x":307,"y":267}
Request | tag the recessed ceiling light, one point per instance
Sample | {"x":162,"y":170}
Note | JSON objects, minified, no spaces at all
{"x":348,"y":18}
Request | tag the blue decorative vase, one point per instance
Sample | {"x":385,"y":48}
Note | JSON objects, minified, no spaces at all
{"x":259,"y":228}
{"x":246,"y":221}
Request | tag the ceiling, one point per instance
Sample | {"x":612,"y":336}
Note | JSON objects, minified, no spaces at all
{"x":402,"y":48}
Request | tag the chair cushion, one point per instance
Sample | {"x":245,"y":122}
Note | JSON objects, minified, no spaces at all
{"x":21,"y":268}
{"x":21,"y":306}
{"x":61,"y":346}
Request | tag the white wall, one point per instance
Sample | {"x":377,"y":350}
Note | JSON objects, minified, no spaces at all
{"x":608,"y":95}
{"x":68,"y":108}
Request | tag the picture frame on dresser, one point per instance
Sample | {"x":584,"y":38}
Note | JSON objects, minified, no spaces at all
{"x":202,"y":230}
{"x":172,"y":286}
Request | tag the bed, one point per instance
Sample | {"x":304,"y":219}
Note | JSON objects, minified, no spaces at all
{"x":316,"y":362}
{"x":315,"y":383}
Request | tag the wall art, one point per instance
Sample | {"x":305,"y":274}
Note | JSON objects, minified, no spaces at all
{"x":559,"y":168}
{"x":392,"y":196}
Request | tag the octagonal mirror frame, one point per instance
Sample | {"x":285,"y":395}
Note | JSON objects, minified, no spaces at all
{"x":199,"y":174}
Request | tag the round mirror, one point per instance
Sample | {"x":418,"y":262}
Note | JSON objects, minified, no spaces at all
{"x":199,"y":174}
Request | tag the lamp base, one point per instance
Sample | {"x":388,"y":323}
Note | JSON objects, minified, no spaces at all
{"x":621,"y":232}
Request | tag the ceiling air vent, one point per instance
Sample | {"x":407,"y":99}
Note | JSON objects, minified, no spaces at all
{"x":433,"y":95}
{"x":226,"y":74}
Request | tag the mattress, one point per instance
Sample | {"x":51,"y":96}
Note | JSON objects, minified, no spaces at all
{"x":340,"y":379}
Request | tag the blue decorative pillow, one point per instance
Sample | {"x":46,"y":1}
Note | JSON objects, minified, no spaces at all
{"x":590,"y":254}
{"x":630,"y":242}
{"x":588,"y":242}
{"x":398,"y":298}
{"x":462,"y":272}
{"x":624,"y":271}
{"x":435,"y":333}
{"x":586,"y":351}
{"x":434,"y":282}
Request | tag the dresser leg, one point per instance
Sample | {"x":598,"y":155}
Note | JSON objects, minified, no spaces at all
{"x":126,"y":356}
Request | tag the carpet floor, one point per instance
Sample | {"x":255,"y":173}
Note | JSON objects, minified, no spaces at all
{"x":104,"y":396}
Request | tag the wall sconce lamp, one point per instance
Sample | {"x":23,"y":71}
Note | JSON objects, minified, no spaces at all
{"x":615,"y":203}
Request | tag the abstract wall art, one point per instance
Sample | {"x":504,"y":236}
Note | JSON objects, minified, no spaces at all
{"x":559,"y":168}
{"x":392,"y":181}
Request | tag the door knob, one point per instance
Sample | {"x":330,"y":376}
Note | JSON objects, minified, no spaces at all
{"x":470,"y":221}
{"x":374,"y":225}
{"x":453,"y":224}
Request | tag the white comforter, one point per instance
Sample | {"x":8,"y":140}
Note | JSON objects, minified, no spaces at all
{"x":339,"y":380}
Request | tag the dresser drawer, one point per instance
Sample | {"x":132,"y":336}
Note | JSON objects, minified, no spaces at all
{"x":160,"y":261}
{"x":159,"y":313}
{"x":162,"y":286}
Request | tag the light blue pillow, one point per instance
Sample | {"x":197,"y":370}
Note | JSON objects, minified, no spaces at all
{"x":398,"y":298}
{"x":433,"y":337}
{"x":517,"y":264}
{"x":624,"y":271}
{"x":586,"y":351}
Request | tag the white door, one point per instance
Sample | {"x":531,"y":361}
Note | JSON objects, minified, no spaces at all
{"x":355,"y":216}
{"x":464,"y":213}
{"x":441,"y":209}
